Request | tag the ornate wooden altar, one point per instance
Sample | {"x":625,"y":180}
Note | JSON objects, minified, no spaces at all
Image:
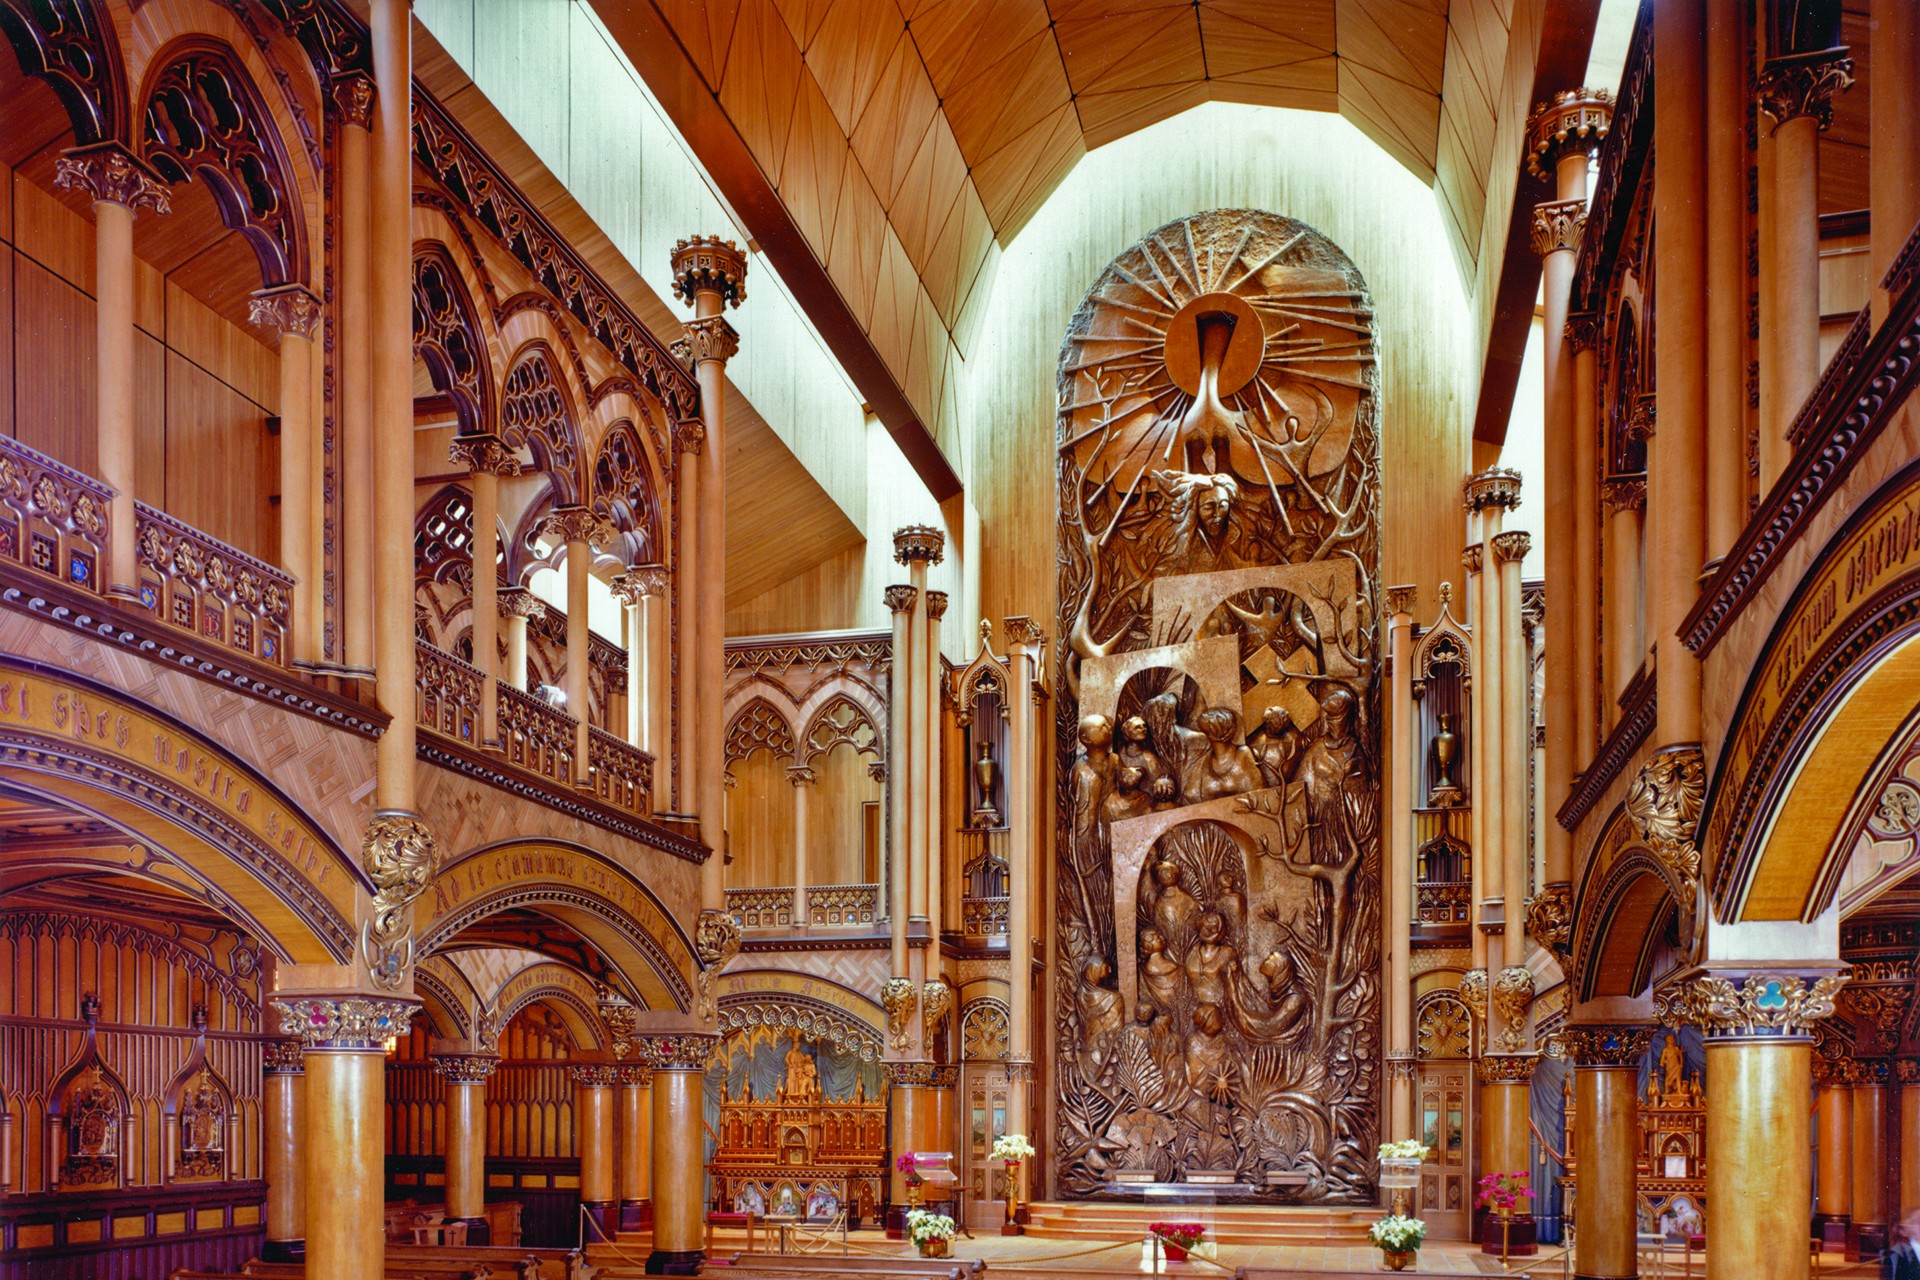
{"x":1672,"y":1164}
{"x":800,"y":1152}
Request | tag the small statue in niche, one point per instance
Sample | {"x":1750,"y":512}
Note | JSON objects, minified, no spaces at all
{"x":985,"y":772}
{"x":1276,"y":746}
{"x":802,"y":1080}
{"x":1156,"y":779}
{"x":1673,"y":1065}
{"x":1445,"y":793}
{"x":1225,"y":767}
{"x":202,"y":1129}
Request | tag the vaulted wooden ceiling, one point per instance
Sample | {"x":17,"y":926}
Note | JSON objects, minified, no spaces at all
{"x":878,"y":148}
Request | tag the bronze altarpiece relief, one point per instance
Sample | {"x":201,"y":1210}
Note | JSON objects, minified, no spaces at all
{"x":1218,"y":999}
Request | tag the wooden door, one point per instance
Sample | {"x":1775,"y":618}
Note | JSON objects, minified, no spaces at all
{"x":1446,"y":1126}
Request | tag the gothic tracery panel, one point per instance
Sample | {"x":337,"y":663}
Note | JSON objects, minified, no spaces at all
{"x":447,"y":338}
{"x":534,"y":412}
{"x":1218,"y":902}
{"x":623,"y":491}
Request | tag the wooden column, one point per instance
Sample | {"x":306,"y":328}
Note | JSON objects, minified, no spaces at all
{"x":1727,"y":33}
{"x":679,"y":1153}
{"x":353,"y":364}
{"x":1025,"y":645}
{"x":580,"y":528}
{"x":1490,"y":494}
{"x":1625,"y":502}
{"x":1606,"y":1062}
{"x":802,"y":777}
{"x":907,"y":1085}
{"x":593,"y":1134}
{"x":710,"y":274}
{"x":1893,"y":122}
{"x":689,"y":440}
{"x":283,"y":1106}
{"x":1506,"y":1085}
{"x":917,"y":547}
{"x":1676,"y":454}
{"x":639,"y":589}
{"x":345,"y":1035}
{"x":1584,"y":615}
{"x":901,"y":600}
{"x":635,"y":1138}
{"x":1516,"y":748}
{"x":487,"y":458}
{"x":292,"y":312}
{"x":930,"y":798}
{"x":391,"y":368}
{"x":1402,"y":775}
{"x":1473,"y":562}
{"x":1833,"y":1205}
{"x":120,"y":185}
{"x":1907,"y":1072}
{"x":1872,"y":1183}
{"x":1796,"y":104}
{"x":466,"y":1170}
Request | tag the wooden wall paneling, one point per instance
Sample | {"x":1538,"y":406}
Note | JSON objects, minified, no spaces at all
{"x":231,"y":354}
{"x":53,"y":390}
{"x":6,"y":204}
{"x":760,"y":822}
{"x":8,"y":354}
{"x":52,"y":234}
{"x":150,"y":420}
{"x":836,"y":819}
{"x":218,"y":475}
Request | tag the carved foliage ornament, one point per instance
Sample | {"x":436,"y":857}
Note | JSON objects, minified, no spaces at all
{"x":900,"y":598}
{"x":290,"y":309}
{"x":1663,"y":804}
{"x":595,"y":1075}
{"x":108,"y":172}
{"x":1557,"y":225}
{"x":1505,"y":1068}
{"x":345,"y":1022}
{"x":1603,"y":1046}
{"x":578,"y":524}
{"x":621,"y":1021}
{"x":1550,"y":917}
{"x":1804,"y":84}
{"x":465,"y":1068}
{"x":1777,"y":1005}
{"x":936,"y":1001}
{"x":1882,"y":1008}
{"x":711,"y":338}
{"x":1512,"y":992}
{"x":398,"y":854}
{"x":484,"y":452}
{"x":820,"y":1025}
{"x":283,"y":1058}
{"x":898,"y":998}
{"x":1473,"y":991}
{"x":716,"y":941}
{"x":688,"y":1052}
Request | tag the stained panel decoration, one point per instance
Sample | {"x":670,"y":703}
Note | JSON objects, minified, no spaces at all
{"x":1219,"y":805}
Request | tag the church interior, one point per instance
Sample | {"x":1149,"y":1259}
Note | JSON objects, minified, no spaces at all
{"x":899,"y":637}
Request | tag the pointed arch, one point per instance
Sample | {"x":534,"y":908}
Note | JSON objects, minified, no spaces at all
{"x":73,"y":48}
{"x":627,"y":492}
{"x":840,"y":720}
{"x":448,"y":339}
{"x":537,"y":412}
{"x":759,"y":726}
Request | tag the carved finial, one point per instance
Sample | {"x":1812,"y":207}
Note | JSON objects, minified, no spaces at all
{"x":1572,"y":122}
{"x":986,"y":633}
{"x":1494,"y":487}
{"x":708,"y":264}
{"x":919,"y":542}
{"x":1446,"y":593}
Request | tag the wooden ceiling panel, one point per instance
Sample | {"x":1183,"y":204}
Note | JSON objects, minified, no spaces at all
{"x":1106,"y":116}
{"x":853,"y":257}
{"x":818,"y":156}
{"x":780,"y":522}
{"x":1458,"y":187}
{"x":705,"y":28}
{"x":762,"y":80}
{"x":804,"y":18}
{"x":1308,"y":21}
{"x":1005,"y":177}
{"x":851,"y":51}
{"x":957,"y":255}
{"x":961,"y":39}
{"x":893,"y":126}
{"x":893,"y":304}
{"x":1117,"y":45}
{"x":926,"y":197}
{"x":991,"y":109}
{"x":1395,"y":38}
{"x":1400,"y":110}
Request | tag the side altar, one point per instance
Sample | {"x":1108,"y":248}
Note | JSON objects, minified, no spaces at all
{"x":799,"y":1151}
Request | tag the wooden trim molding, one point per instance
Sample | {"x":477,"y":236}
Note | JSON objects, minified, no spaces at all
{"x":1622,"y":158}
{"x":1639,"y":711}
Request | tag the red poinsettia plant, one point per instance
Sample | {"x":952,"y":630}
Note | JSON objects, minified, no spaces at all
{"x":909,"y":1167}
{"x":1503,"y":1192}
{"x":1181,"y":1235}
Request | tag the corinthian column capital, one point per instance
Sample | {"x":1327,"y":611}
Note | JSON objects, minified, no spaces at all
{"x":290,"y":308}
{"x":484,"y":453}
{"x":1557,"y":225}
{"x":1804,"y":84}
{"x":111,"y":174}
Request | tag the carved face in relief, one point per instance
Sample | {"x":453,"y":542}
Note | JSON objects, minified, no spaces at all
{"x":1096,"y":732}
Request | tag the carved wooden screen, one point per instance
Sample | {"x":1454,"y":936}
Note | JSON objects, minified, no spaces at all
{"x":1218,"y":901}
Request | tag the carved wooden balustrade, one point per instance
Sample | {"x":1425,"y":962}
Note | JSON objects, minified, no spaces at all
{"x":1444,"y":901}
{"x":535,"y":736}
{"x":219,"y":593}
{"x":622,"y":774}
{"x":983,"y":917}
{"x":761,"y":908}
{"x":53,"y":520}
{"x":447,"y":693}
{"x":839,"y":905}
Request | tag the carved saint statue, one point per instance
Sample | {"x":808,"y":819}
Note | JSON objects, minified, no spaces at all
{"x":1213,"y":964}
{"x":1174,"y":909}
{"x":1162,"y":979}
{"x":1673,"y":1065}
{"x":1225,"y":767}
{"x":1156,"y":779}
{"x":1275,"y":745}
{"x":802,"y":1083}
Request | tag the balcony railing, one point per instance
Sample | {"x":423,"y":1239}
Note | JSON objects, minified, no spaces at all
{"x":447,"y":693}
{"x":219,"y":593}
{"x":983,"y":917}
{"x":535,"y":736}
{"x":622,"y":773}
{"x":53,"y":520}
{"x":1444,"y":901}
{"x":840,"y":905}
{"x":761,"y":908}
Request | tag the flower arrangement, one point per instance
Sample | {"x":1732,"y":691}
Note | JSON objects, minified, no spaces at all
{"x":1395,"y":1234}
{"x":1503,"y":1192}
{"x":1405,"y":1149}
{"x":924,"y":1225}
{"x":909,"y":1168}
{"x":1011,"y":1148}
{"x":1181,"y":1235}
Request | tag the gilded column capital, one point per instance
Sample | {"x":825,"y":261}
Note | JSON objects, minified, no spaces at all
{"x":1473,"y":993}
{"x":800,"y":775}
{"x":1758,"y":1004}
{"x":919,"y":542}
{"x":465,"y":1068}
{"x":900,"y":598}
{"x":518,"y":602}
{"x":708,"y":264}
{"x":1512,"y":993}
{"x":621,"y":1020}
{"x":936,"y":1001}
{"x":1571,"y":122}
{"x":910,"y":1074}
{"x":1473,"y":558}
{"x":398,"y":854}
{"x":898,"y":998}
{"x":682,"y":1051}
{"x":578,"y":524}
{"x":946,"y":1077}
{"x":1624,"y":493}
{"x":690,"y":437}
{"x":594,"y":1075}
{"x":111,"y":174}
{"x":711,"y":338}
{"x":1019,"y":1071}
{"x":353,"y":98}
{"x":283,"y":1058}
{"x":630,"y":1074}
{"x":1582,"y":330}
{"x":285,"y":309}
{"x":1906,"y":1070}
{"x":1505,"y":1068}
{"x":1494,"y":487}
{"x":1402,"y":600}
{"x":1023,"y":631}
{"x":344,"y":1022}
{"x":716,"y":941}
{"x":1880,"y":1008}
{"x":1512,"y":545}
{"x":1804,"y":84}
{"x":483,"y":452}
{"x":1604,"y":1045}
{"x":641,"y":582}
{"x":936,"y":605}
{"x":1550,"y":916}
{"x":1557,"y":225}
{"x":1643,"y":417}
